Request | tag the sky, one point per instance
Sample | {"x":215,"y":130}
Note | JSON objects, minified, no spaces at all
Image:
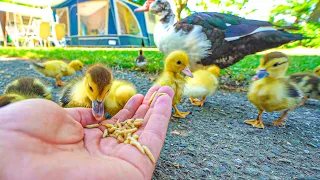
{"x":263,"y":8}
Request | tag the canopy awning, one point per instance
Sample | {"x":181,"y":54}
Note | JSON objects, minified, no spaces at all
{"x":25,"y":10}
{"x":40,"y":2}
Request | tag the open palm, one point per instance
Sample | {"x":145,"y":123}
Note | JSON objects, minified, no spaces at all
{"x":40,"y":140}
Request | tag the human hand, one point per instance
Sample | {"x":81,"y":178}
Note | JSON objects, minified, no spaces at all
{"x":40,"y":140}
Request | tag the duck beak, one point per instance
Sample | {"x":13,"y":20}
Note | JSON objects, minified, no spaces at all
{"x":145,"y":7}
{"x":98,"y":110}
{"x":261,"y":74}
{"x":187,"y":72}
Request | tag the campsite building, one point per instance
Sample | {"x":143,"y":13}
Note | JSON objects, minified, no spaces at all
{"x":96,"y":22}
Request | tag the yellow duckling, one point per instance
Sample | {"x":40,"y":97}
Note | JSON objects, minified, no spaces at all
{"x":203,"y":84}
{"x":120,"y":93}
{"x":271,"y":91}
{"x":309,"y":83}
{"x":25,"y":88}
{"x":317,"y":71}
{"x":57,"y":69}
{"x":89,"y":91}
{"x":175,"y":63}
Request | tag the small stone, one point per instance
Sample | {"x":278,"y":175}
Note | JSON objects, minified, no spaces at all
{"x":276,"y":150}
{"x":209,"y":164}
{"x":265,"y":168}
{"x":312,"y":144}
{"x":272,"y":155}
{"x":251,"y":171}
{"x":212,"y":140}
{"x":284,"y":160}
{"x":219,"y":170}
{"x":290,"y":148}
{"x":301,"y":177}
{"x":183,"y":145}
{"x":315,"y":168}
{"x":238,"y":161}
{"x":235,"y":150}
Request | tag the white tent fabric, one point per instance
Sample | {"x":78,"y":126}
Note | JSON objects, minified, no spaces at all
{"x":40,"y":2}
{"x":24,"y":10}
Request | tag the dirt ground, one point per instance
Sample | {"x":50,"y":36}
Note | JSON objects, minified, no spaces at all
{"x":215,"y":143}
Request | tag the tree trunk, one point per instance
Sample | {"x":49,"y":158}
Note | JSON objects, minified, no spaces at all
{"x":315,"y":15}
{"x":180,"y":5}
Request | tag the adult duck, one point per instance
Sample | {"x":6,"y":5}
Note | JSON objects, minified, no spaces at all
{"x":213,"y":38}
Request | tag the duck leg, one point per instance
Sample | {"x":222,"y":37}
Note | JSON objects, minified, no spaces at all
{"x":59,"y":82}
{"x":202,"y":100}
{"x":256,"y":122}
{"x":281,"y":121}
{"x":304,"y":100}
{"x":179,"y":114}
{"x":195,"y":101}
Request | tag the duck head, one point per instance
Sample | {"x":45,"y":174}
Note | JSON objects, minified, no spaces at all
{"x":178,"y":61}
{"x":98,"y":80}
{"x":274,"y":65}
{"x":76,"y":65}
{"x":159,"y":7}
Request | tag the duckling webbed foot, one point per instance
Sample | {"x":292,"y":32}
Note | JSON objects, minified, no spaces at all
{"x":195,"y":101}
{"x":281,"y":120}
{"x":256,"y":122}
{"x":59,"y":82}
{"x":179,"y":114}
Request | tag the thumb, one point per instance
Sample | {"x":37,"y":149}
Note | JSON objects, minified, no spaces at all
{"x":42,"y":119}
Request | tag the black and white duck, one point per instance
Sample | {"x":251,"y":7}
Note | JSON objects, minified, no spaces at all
{"x":211,"y":37}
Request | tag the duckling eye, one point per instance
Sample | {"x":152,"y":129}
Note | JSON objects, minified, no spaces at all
{"x":276,"y":64}
{"x":179,"y":62}
{"x":90,"y":88}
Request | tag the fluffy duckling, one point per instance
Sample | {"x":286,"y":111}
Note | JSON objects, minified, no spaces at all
{"x":141,"y":61}
{"x":309,"y":83}
{"x":271,"y":91}
{"x":25,"y":88}
{"x":203,"y":84}
{"x":89,"y":91}
{"x":57,"y":69}
{"x":176,"y":62}
{"x":317,"y":71}
{"x":120,"y":93}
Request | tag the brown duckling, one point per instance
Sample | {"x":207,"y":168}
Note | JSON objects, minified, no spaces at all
{"x":25,"y":88}
{"x":89,"y":91}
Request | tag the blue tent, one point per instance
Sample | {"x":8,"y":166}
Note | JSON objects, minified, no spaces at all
{"x":105,"y":23}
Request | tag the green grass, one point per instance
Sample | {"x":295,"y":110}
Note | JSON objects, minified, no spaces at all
{"x":124,"y":58}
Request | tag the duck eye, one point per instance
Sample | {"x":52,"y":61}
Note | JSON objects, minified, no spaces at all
{"x":90,"y":88}
{"x":179,"y":62}
{"x":276,"y":64}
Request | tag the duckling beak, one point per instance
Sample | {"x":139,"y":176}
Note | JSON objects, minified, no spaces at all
{"x":261,"y":74}
{"x":98,"y":110}
{"x":145,"y":7}
{"x":187,"y":72}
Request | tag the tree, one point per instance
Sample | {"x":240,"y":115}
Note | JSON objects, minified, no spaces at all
{"x":141,"y":2}
{"x":224,"y":4}
{"x":308,"y":11}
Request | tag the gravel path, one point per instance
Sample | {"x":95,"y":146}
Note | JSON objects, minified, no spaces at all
{"x":214,"y":142}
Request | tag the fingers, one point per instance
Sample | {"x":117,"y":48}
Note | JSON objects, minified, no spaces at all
{"x":154,"y":132}
{"x":143,"y":109}
{"x":129,"y":109}
{"x":82,"y":115}
{"x":43,"y":119}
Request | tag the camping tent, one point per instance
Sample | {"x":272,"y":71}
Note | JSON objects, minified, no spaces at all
{"x":105,"y":23}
